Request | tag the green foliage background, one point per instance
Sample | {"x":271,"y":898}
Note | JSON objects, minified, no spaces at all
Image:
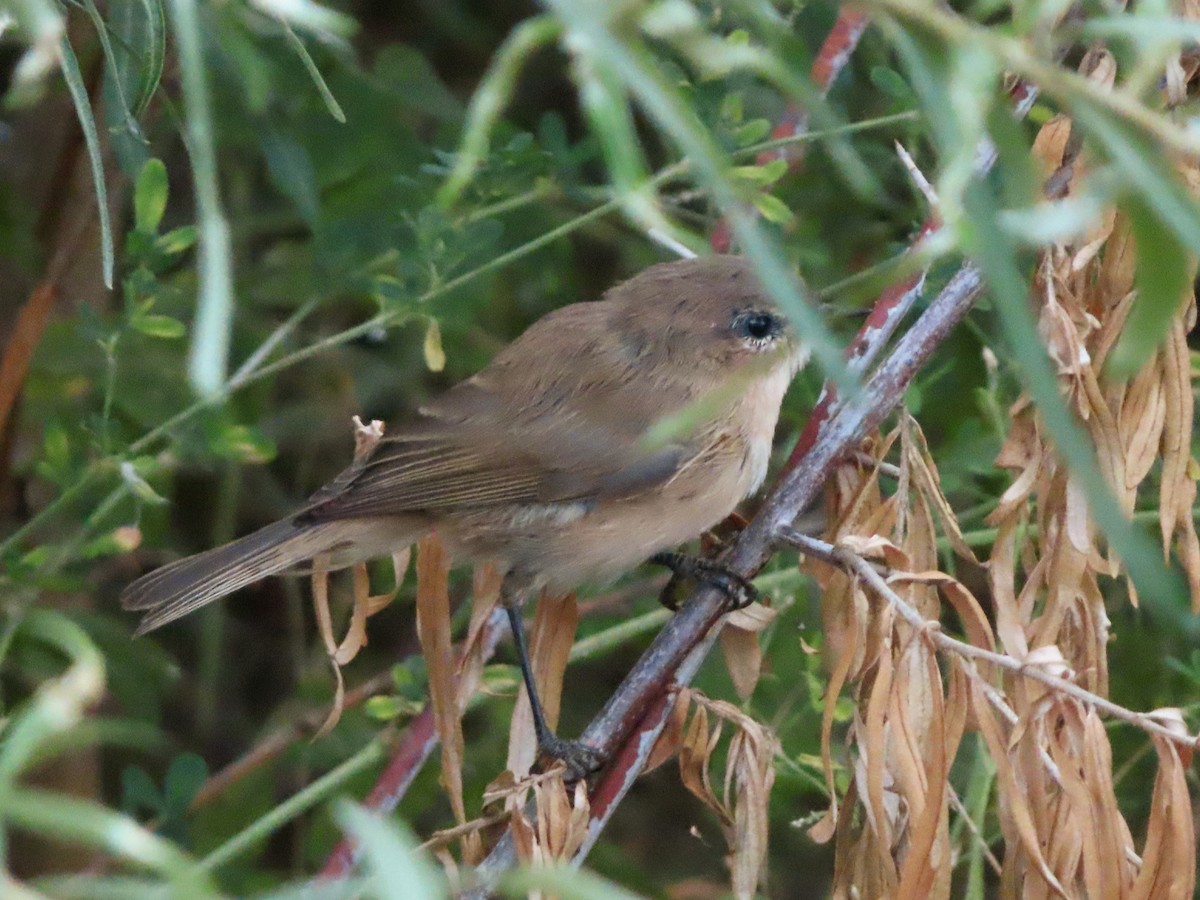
{"x":297,"y":168}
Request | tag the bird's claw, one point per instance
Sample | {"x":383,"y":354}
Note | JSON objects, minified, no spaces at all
{"x":738,"y":590}
{"x":580,"y":759}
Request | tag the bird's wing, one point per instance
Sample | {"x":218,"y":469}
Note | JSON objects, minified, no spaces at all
{"x":557,"y":417}
{"x":458,"y":468}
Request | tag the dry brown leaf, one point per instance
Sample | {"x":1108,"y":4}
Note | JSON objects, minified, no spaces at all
{"x":837,"y":680}
{"x":320,"y":594}
{"x":743,"y":806}
{"x":925,"y":477}
{"x":927,"y":864}
{"x":671,"y":737}
{"x":743,"y":659}
{"x":1169,"y":855}
{"x":740,"y":646}
{"x":433,"y":630}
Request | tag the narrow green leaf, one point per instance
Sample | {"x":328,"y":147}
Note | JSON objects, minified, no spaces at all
{"x":644,"y":79}
{"x":209,"y":356}
{"x":309,"y":16}
{"x":77,"y":821}
{"x":563,"y":882}
{"x":110,"y":59}
{"x":390,"y":852}
{"x":150,"y":196}
{"x":87,"y":122}
{"x":1141,"y":163}
{"x":491,"y":97}
{"x":303,"y":800}
{"x":1163,"y":277}
{"x":331,"y":104}
{"x":154,"y":45}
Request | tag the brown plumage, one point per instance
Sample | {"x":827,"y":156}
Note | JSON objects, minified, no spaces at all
{"x":607,"y":432}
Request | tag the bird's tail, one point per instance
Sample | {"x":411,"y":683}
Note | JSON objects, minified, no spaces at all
{"x":186,"y":585}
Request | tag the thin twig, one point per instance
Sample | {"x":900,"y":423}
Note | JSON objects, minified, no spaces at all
{"x":965,"y":816}
{"x":280,"y":740}
{"x":870,"y":575}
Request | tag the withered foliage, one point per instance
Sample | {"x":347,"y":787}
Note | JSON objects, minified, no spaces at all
{"x":1062,"y":829}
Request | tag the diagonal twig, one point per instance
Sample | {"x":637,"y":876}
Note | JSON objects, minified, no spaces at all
{"x":871,"y":576}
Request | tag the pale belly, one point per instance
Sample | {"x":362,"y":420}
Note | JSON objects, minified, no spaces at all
{"x":563,"y":546}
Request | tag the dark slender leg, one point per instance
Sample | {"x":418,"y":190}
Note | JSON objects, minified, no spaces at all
{"x":580,"y":758}
{"x":738,"y":590}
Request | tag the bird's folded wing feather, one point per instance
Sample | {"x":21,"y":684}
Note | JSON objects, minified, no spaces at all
{"x":439,"y":466}
{"x":577,"y":432}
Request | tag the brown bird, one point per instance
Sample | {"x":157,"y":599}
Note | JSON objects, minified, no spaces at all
{"x":605,"y":434}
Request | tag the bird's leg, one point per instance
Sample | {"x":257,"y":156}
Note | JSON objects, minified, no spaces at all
{"x":581,"y":759}
{"x":738,"y":591}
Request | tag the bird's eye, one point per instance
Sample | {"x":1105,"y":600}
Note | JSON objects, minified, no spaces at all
{"x":758,"y":327}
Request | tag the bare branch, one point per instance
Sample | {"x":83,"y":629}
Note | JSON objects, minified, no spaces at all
{"x":871,"y":575}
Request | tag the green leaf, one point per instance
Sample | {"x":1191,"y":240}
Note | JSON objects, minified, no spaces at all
{"x":138,"y":485}
{"x":892,"y":83}
{"x":150,"y":196}
{"x":292,"y":171}
{"x":435,"y":356}
{"x":176,"y":240}
{"x":1163,"y":277}
{"x":140,"y":70}
{"x":309,"y":16}
{"x":752,"y":132}
{"x":331,"y":104}
{"x":763,"y":175}
{"x":243,"y":444}
{"x":186,"y":775}
{"x":383,"y":707}
{"x":1141,"y":163}
{"x":123,"y":112}
{"x":91,"y":139}
{"x":389,"y":852}
{"x":78,"y":821}
{"x":209,"y":353}
{"x":154,"y":325}
{"x":773,"y":209}
{"x":139,"y":794}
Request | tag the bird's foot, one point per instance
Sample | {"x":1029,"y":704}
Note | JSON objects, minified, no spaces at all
{"x":580,"y":759}
{"x":738,"y":590}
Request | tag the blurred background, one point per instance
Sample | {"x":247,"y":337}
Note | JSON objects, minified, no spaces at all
{"x":355,"y":292}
